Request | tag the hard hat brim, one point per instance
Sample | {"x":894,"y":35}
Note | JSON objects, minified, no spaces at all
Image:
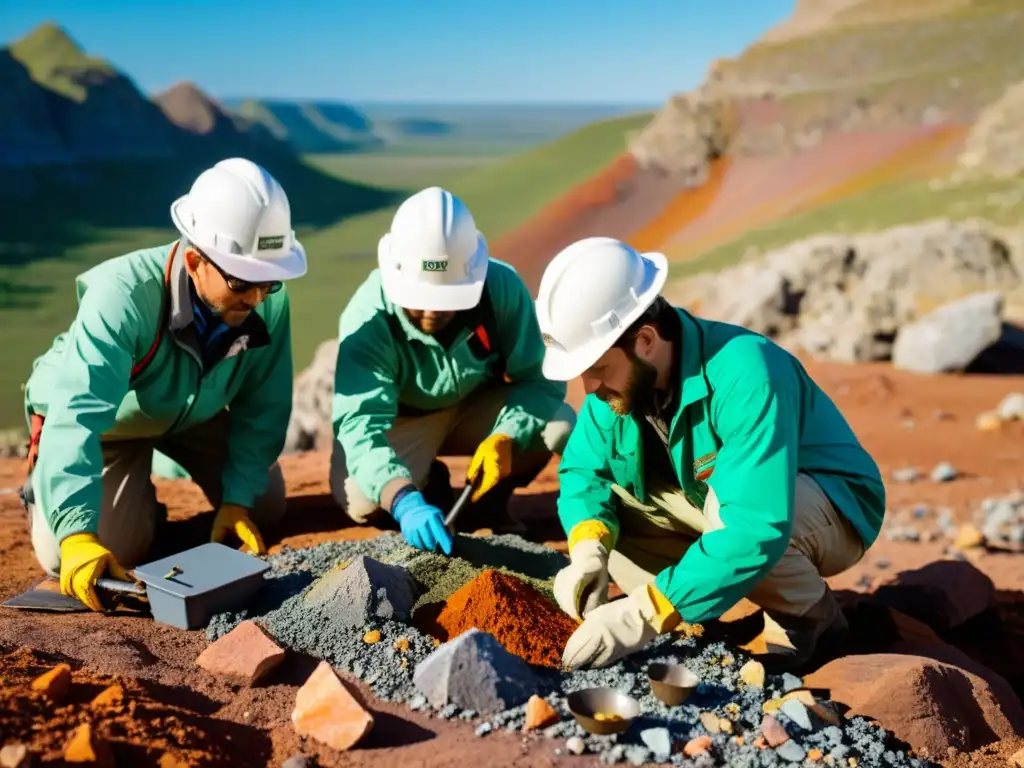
{"x":252,"y":270}
{"x":431,"y":298}
{"x":561,"y":365}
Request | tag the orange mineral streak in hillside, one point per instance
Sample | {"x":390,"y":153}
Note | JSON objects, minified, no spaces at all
{"x":684,"y":209}
{"x":756,"y":192}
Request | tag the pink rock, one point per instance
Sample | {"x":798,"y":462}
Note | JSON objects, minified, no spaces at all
{"x":245,"y":652}
{"x":326,"y":711}
{"x":773,"y":731}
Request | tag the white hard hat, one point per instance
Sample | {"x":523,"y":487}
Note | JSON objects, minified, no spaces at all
{"x":433,"y":258}
{"x":237,"y":214}
{"x":591,"y":292}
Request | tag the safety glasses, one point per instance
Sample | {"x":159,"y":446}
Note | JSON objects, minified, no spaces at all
{"x":237,"y":285}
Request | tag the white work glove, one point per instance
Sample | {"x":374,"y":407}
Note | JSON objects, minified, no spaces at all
{"x":588,"y":568}
{"x":617,"y":629}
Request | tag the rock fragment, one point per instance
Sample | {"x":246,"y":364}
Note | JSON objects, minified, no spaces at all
{"x":15,"y":756}
{"x":796,"y":711}
{"x":791,"y":751}
{"x":539,"y":714}
{"x":659,"y":741}
{"x":87,"y":747}
{"x":697,"y":746}
{"x":773,"y":731}
{"x":576,"y":745}
{"x":474,"y":671}
{"x":296,"y":761}
{"x":968,"y":537}
{"x":54,"y":684}
{"x":246,"y":653}
{"x":752,"y":673}
{"x":111,"y":696}
{"x":944,"y":472}
{"x":326,"y":711}
{"x":950,"y":337}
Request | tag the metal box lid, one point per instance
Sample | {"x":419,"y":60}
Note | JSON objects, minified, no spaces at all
{"x":200,"y":570}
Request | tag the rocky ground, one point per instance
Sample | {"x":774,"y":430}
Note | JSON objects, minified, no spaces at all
{"x":937,"y":608}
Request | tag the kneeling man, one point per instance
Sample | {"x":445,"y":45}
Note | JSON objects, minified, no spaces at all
{"x":707,"y":466}
{"x":440,"y":354}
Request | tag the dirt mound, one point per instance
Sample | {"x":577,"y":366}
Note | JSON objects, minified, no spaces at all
{"x":523,"y":620}
{"x":931,"y":705}
{"x":138,"y":727}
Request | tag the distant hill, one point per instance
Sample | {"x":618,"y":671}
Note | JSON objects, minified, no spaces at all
{"x":313,"y":127}
{"x":201,"y":117}
{"x":73,"y":107}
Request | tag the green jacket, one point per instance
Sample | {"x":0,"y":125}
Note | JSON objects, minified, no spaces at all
{"x":750,"y":414}
{"x":384,"y":363}
{"x":82,"y":386}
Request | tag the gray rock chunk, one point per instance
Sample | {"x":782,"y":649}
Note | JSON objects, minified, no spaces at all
{"x":363,"y":590}
{"x":474,"y":671}
{"x":950,"y":337}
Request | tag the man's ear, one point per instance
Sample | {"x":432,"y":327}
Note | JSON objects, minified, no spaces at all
{"x":646,"y":340}
{"x":192,"y":260}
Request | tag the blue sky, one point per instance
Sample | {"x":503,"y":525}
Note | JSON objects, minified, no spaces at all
{"x":630,"y":51}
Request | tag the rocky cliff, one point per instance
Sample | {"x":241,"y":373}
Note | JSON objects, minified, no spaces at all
{"x":995,"y":144}
{"x":28,"y":132}
{"x":841,"y":66}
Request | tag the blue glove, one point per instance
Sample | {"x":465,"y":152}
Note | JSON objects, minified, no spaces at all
{"x":422,"y":524}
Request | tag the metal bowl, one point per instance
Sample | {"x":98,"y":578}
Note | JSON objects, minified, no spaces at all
{"x":672,"y":683}
{"x":590,"y":706}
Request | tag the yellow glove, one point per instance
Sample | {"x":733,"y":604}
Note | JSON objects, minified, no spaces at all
{"x":82,"y":561}
{"x":494,"y":459}
{"x":619,"y":628}
{"x":233,"y":518}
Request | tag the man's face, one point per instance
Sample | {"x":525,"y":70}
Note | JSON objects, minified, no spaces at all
{"x":229,"y":297}
{"x":429,"y":321}
{"x":624,"y":381}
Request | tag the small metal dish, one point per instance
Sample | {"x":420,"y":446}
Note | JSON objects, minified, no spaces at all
{"x":672,"y":683}
{"x":603,"y":710}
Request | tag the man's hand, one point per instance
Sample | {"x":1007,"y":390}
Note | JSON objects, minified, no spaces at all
{"x":619,"y":628}
{"x":82,"y":561}
{"x":492,"y":462}
{"x":587,"y":570}
{"x":231,"y":518}
{"x":422,"y":524}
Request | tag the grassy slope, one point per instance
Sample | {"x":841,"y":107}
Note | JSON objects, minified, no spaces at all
{"x":127,"y":209}
{"x":54,"y":61}
{"x":887,"y":205}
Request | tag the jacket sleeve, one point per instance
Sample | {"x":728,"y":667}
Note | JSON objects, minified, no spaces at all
{"x":258,"y":416}
{"x":586,"y":502}
{"x":366,"y":402}
{"x":533,"y":400}
{"x":93,"y":379}
{"x":755,"y":410}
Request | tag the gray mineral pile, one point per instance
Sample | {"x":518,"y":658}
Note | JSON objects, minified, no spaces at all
{"x":357,"y":605}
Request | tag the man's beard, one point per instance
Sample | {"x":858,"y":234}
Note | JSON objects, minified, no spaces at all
{"x":638,"y":394}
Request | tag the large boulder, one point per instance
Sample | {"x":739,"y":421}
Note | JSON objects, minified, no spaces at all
{"x":950,"y":337}
{"x":847,"y":297}
{"x":929,"y":704}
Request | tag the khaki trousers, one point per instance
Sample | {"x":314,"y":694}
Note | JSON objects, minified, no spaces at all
{"x":794,"y":593}
{"x":455,"y":431}
{"x":130,"y":514}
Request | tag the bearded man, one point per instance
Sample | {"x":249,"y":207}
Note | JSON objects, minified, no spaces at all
{"x":706,"y":466}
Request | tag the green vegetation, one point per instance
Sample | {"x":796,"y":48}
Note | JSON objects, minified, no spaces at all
{"x":398,"y":169}
{"x":54,"y":61}
{"x":117,"y":207}
{"x":903,"y":202}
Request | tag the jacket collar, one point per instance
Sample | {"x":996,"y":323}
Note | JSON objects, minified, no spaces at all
{"x":694,"y":383}
{"x":182,"y":315}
